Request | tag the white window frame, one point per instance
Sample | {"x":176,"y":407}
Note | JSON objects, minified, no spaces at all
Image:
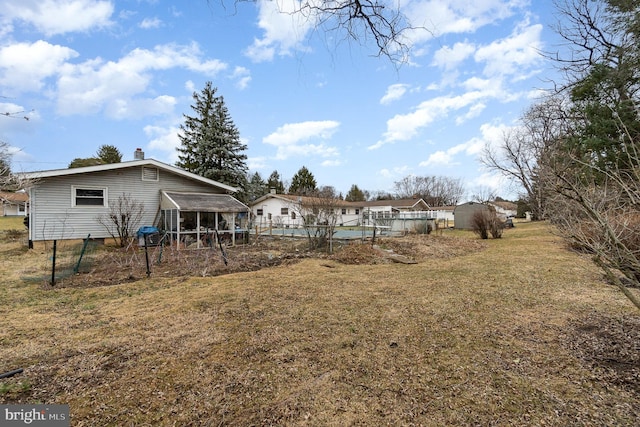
{"x":74,"y":192}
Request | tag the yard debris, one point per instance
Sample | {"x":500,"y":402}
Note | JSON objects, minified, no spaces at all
{"x":610,"y":345}
{"x":116,"y":266}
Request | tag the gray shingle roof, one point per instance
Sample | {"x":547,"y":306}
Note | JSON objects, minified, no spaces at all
{"x":204,"y":202}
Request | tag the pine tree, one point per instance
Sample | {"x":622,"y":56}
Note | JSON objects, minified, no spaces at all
{"x":274,"y":182}
{"x":303,"y":183}
{"x":355,"y":195}
{"x":256,"y":187}
{"x":109,"y":154}
{"x":210,"y":142}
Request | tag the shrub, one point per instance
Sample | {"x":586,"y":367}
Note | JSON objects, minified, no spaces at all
{"x":485,"y":222}
{"x":422,"y":227}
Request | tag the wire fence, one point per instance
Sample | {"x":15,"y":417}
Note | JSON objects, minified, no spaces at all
{"x":64,"y":259}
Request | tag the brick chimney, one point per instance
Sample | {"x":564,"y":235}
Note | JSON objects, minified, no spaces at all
{"x":138,"y":154}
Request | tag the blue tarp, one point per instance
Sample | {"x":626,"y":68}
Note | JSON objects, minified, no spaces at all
{"x":146,"y":230}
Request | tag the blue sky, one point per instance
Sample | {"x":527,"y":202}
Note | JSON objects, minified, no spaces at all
{"x":94,"y":72}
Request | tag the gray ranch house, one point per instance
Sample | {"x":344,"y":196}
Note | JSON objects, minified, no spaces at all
{"x":73,"y":203}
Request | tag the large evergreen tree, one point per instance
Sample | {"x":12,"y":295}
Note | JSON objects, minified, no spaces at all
{"x":210,"y":141}
{"x":355,"y":194}
{"x":303,"y":183}
{"x":256,"y":187}
{"x":109,"y":154}
{"x":106,"y":154}
{"x":274,"y":182}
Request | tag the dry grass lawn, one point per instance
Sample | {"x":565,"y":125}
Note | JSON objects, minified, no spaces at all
{"x":515,"y":331}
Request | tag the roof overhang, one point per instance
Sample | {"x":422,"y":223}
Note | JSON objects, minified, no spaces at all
{"x":115,"y":166}
{"x":201,"y":202}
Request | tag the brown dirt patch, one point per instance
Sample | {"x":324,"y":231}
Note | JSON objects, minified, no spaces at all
{"x":112,"y":266}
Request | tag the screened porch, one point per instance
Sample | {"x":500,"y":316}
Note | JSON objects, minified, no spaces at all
{"x":197,"y":220}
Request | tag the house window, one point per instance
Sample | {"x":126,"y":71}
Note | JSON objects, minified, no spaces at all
{"x":259,"y":212}
{"x":344,"y":211}
{"x":293,"y":215}
{"x":357,"y":211}
{"x":150,"y":174}
{"x":83,"y":196}
{"x":284,"y":211}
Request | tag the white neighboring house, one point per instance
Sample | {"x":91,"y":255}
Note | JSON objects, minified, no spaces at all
{"x":399,"y":208}
{"x":67,"y":203}
{"x":14,"y":204}
{"x":505,"y":210}
{"x":284,"y":211}
{"x":443,"y":212}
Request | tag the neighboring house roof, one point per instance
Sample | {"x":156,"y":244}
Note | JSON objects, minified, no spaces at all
{"x":10,"y":197}
{"x":293,"y":198}
{"x":508,"y":206}
{"x":442,"y":208}
{"x":193,"y":202}
{"x":115,"y":166}
{"x":397,"y":203}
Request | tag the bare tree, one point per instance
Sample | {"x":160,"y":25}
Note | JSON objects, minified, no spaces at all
{"x":592,"y":175}
{"x":434,"y":190}
{"x":524,"y":146}
{"x":598,"y":211}
{"x":10,"y":181}
{"x":362,"y":21}
{"x":124,"y":218}
{"x":319,"y":214}
{"x":484,"y":195}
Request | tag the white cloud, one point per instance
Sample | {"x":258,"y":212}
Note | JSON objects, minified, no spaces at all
{"x":490,"y":134}
{"x":288,"y":139}
{"x":52,"y":17}
{"x":242,"y":76}
{"x":438,"y":158}
{"x":16,"y":118}
{"x":442,"y":17}
{"x":24,"y":66}
{"x":131,"y":108}
{"x":256,"y":163}
{"x":474,"y":111}
{"x":96,"y":85}
{"x":283,"y":29}
{"x":331,"y":163}
{"x":493,"y":181}
{"x":514,"y":54}
{"x":449,"y":58}
{"x":164,"y":139}
{"x":150,"y":23}
{"x":403,"y":127}
{"x":396,"y":172}
{"x":394,"y":92}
